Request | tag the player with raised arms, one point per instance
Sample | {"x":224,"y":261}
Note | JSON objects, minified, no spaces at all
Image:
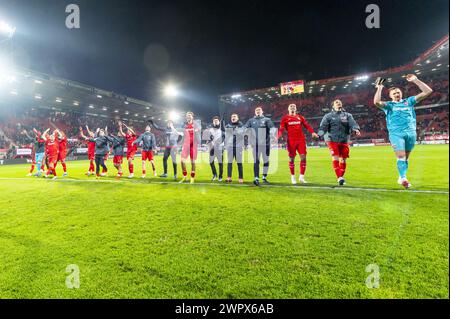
{"x":62,"y":144}
{"x":293,"y":124}
{"x":401,"y":122}
{"x":130,"y":136}
{"x":51,"y":150}
{"x":91,"y":149}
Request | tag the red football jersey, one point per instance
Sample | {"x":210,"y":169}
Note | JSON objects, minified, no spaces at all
{"x":91,"y":147}
{"x":293,"y":125}
{"x":51,"y":148}
{"x":63,"y":145}
{"x":189,"y":131}
{"x":130,"y":139}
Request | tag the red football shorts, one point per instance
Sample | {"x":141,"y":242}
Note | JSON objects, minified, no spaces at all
{"x":296,"y":146}
{"x":339,"y":149}
{"x":147,"y":155}
{"x":189,"y":151}
{"x":118,"y":160}
{"x":130,"y":154}
{"x":62,"y":156}
{"x":52,"y":159}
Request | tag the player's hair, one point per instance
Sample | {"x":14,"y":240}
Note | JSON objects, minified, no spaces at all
{"x":332,"y":103}
{"x":192,"y":113}
{"x":216,"y":118}
{"x":292,"y":104}
{"x":258,"y":107}
{"x":235,"y":114}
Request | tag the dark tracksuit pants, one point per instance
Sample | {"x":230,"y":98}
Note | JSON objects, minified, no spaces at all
{"x":235,"y":153}
{"x":100,"y":161}
{"x":258,"y":152}
{"x":213,"y":154}
{"x":172,"y":152}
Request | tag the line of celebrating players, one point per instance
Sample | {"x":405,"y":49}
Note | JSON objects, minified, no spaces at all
{"x":336,"y":128}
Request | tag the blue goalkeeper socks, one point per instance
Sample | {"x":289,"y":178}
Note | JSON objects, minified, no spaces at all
{"x":402,"y":167}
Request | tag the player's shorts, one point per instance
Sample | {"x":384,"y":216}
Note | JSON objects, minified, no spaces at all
{"x":52,"y":159}
{"x":130,"y":154}
{"x":118,"y":159}
{"x":189,"y":151}
{"x":296,"y":146}
{"x":38,"y":157}
{"x":341,"y":150}
{"x":403,"y":141}
{"x":62,"y":156}
{"x":91,"y":156}
{"x":147,"y":155}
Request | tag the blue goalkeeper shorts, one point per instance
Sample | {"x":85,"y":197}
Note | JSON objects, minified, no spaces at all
{"x":38,"y":157}
{"x":403,"y":141}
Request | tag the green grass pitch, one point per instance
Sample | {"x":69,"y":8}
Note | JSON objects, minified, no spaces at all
{"x":147,"y":239}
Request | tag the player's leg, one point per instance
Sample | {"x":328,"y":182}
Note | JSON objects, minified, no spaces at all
{"x":103,"y":165}
{"x":220,"y":160}
{"x":130,"y":158}
{"x":33,"y":164}
{"x":105,"y":158}
{"x":144,"y":157}
{"x":165,"y":158}
{"x":231,"y":155}
{"x":152,"y":162}
{"x":173,"y":155}
{"x":193,"y":157}
{"x":38,"y":158}
{"x":334,"y":151}
{"x":301,"y":150}
{"x":184,"y":156}
{"x":398,"y":142}
{"x":212,"y":164}
{"x":292,"y":154}
{"x":238,"y":155}
{"x":266,"y":157}
{"x":256,"y":159}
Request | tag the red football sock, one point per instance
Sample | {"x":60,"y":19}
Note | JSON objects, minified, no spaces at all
{"x":54,"y":172}
{"x":184,"y":173}
{"x":144,"y":171}
{"x":32,"y":168}
{"x":104,"y":170}
{"x":292,"y":167}
{"x":131,"y":168}
{"x":64,"y":167}
{"x":343,"y":166}
{"x":193,"y":174}
{"x":337,"y":169}
{"x":91,"y":166}
{"x":302,"y":167}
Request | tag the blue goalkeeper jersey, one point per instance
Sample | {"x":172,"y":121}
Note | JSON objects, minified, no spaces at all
{"x":400,"y":116}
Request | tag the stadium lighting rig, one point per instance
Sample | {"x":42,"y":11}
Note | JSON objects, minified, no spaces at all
{"x":171,"y":91}
{"x":7,"y":30}
{"x":174,"y":116}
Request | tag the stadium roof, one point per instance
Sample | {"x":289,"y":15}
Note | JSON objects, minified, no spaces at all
{"x":30,"y":89}
{"x":434,"y":60}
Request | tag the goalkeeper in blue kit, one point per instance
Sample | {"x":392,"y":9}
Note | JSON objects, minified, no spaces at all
{"x":401,"y":122}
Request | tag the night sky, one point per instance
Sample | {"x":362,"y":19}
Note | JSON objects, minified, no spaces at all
{"x":211,"y":47}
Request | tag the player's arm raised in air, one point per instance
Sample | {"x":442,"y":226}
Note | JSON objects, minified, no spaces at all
{"x":426,"y":90}
{"x":45,"y":134}
{"x":377,"y":98}
{"x":82,"y":134}
{"x":129,"y":129}
{"x":87,"y":129}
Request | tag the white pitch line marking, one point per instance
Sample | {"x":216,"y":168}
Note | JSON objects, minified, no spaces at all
{"x":305,"y":187}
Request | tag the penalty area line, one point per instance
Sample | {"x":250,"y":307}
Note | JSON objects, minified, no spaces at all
{"x":304,"y":187}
